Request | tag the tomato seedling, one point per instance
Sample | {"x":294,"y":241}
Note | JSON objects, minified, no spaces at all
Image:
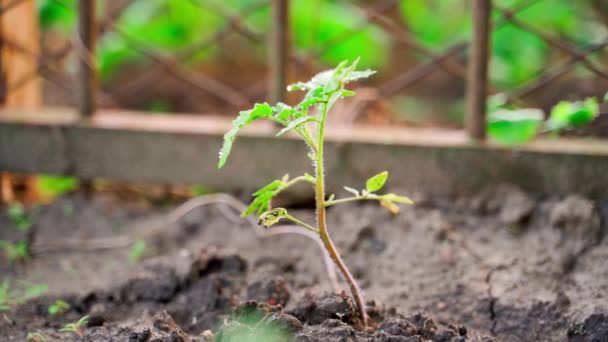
{"x":322,"y":92}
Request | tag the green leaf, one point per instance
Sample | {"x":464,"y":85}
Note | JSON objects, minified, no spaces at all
{"x":137,"y":251}
{"x":332,"y":80}
{"x":376,"y":182}
{"x":263,"y":197}
{"x":59,"y":307}
{"x":511,"y":127}
{"x":295,"y":124}
{"x":388,"y":201}
{"x":273,"y":186}
{"x":357,"y":75}
{"x":573,"y":114}
{"x":390,"y":206}
{"x":272,"y":217}
{"x":54,"y":186}
{"x":284,"y":112}
{"x":606,"y":97}
{"x":246,"y":117}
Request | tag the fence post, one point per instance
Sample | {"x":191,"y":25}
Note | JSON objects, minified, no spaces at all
{"x":86,"y":43}
{"x":477,"y":76}
{"x":19,"y":25}
{"x":279,"y":51}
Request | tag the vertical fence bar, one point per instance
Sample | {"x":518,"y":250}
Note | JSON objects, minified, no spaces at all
{"x":477,"y":77}
{"x":3,"y":82}
{"x":279,"y":51}
{"x":87,"y":75}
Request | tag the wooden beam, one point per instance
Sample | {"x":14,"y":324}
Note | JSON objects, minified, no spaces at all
{"x":138,"y":147}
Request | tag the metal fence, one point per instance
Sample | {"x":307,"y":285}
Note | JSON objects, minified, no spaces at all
{"x":465,"y":60}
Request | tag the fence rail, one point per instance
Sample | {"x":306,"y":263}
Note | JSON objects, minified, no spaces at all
{"x":283,"y":59}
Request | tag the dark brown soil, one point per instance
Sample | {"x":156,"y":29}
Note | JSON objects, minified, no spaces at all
{"x":503,"y":265}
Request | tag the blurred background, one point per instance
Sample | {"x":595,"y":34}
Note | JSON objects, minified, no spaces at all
{"x":209,"y":56}
{"x":217,"y":57}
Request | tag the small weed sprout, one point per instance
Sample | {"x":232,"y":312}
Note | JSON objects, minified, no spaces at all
{"x":15,"y":252}
{"x":58,"y":308}
{"x":76,"y":327}
{"x":36,"y":337}
{"x":137,"y":251}
{"x":17,"y":214}
{"x":322,"y":92}
{"x":10,"y":297}
{"x":5,"y":296}
{"x":19,"y":251}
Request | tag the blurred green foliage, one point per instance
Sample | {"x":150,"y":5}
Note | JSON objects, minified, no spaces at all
{"x":17,"y":293}
{"x":174,"y":25}
{"x":573,"y":114}
{"x":14,"y":252}
{"x":137,"y":251}
{"x":335,"y":30}
{"x":518,"y":55}
{"x":252,"y":325}
{"x":54,"y":186}
{"x":514,"y":126}
{"x":509,"y":125}
{"x":317,"y":24}
{"x":58,"y":308}
{"x":20,"y":218}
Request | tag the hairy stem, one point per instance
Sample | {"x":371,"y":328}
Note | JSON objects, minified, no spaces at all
{"x":303,"y":133}
{"x":302,"y":223}
{"x":321,"y":219}
{"x":369,"y":197}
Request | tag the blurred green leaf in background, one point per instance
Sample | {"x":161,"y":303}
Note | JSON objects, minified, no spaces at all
{"x":514,"y":126}
{"x":54,"y":186}
{"x":573,"y":114}
{"x":517,"y":55}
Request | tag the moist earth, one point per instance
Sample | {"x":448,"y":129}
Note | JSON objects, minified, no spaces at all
{"x":503,"y":265}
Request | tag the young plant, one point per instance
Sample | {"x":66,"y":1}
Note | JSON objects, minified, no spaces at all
{"x":322,"y":92}
{"x":136,"y":253}
{"x":5,"y":296}
{"x":58,"y":308}
{"x":15,"y":252}
{"x":21,"y":220}
{"x":76,"y":327}
{"x":10,"y":297}
{"x":36,"y":337}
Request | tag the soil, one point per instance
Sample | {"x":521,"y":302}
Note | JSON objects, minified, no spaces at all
{"x":503,"y":265}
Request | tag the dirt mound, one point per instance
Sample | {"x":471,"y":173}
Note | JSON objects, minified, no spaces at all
{"x":527,"y":268}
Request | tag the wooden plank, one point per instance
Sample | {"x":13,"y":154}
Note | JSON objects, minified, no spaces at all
{"x":20,"y":47}
{"x":21,"y":84}
{"x":183,"y":149}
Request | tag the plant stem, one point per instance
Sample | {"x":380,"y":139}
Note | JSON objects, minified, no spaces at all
{"x":370,"y":197}
{"x":302,"y":223}
{"x":321,"y":219}
{"x":297,"y":180}
{"x":304,"y":133}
